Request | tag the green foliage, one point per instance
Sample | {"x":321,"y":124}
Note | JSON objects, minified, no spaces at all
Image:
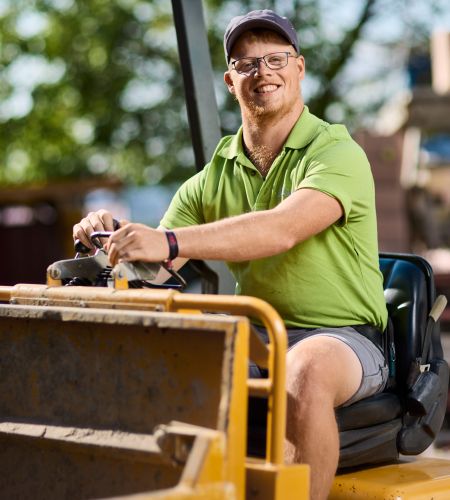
{"x":117,"y":106}
{"x":93,"y":87}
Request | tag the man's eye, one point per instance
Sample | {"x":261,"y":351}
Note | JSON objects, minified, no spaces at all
{"x":275,"y":60}
{"x":245,"y":65}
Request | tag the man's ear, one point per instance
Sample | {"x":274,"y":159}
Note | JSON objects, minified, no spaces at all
{"x":229,"y":82}
{"x":301,"y":66}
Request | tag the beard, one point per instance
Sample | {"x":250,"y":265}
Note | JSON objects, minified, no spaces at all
{"x":255,"y":110}
{"x":263,"y":110}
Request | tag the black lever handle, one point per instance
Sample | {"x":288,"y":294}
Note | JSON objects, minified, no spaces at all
{"x":80,"y":247}
{"x":96,"y":235}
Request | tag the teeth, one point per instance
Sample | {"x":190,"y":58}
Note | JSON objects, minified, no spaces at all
{"x":266,"y":88}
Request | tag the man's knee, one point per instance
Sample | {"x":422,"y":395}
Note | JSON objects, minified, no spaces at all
{"x":305,"y":374}
{"x":322,"y":369}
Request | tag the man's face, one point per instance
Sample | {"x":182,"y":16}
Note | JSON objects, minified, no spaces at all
{"x":265,"y":91}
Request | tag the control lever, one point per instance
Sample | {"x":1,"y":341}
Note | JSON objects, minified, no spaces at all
{"x":96,"y":235}
{"x":81,"y":249}
{"x":95,"y":239}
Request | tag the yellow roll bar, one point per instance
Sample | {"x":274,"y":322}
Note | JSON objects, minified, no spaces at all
{"x":5,"y":293}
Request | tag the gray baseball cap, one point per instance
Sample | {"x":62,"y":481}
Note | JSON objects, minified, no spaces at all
{"x":258,"y":19}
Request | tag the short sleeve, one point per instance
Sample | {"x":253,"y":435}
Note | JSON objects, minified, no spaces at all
{"x":341,"y":170}
{"x":185,"y":208}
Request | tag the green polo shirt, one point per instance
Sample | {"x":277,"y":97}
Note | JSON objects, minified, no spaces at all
{"x":331,"y":279}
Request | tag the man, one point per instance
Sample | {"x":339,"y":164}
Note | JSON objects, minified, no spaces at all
{"x":288,"y":203}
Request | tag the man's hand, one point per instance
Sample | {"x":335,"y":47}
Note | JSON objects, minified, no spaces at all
{"x":137,"y":242}
{"x":94,"y":221}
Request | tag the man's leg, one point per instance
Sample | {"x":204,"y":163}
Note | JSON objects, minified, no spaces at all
{"x":322,"y":373}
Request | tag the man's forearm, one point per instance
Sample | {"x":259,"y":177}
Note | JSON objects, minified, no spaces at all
{"x":245,"y":237}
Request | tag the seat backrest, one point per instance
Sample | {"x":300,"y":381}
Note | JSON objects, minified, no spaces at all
{"x":410,"y":293}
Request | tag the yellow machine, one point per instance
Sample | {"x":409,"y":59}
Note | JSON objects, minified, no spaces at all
{"x":138,"y":393}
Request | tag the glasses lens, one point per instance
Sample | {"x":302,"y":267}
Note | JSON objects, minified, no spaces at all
{"x":245,"y":65}
{"x":277,"y":60}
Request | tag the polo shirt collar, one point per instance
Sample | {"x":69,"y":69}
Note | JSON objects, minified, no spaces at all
{"x":235,"y":147}
{"x":304,"y":131}
{"x":300,"y":136}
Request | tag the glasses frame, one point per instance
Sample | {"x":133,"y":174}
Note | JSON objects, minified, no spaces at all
{"x":256,"y":61}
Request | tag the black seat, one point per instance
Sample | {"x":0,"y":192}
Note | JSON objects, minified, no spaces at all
{"x":399,"y":420}
{"x":378,"y":428}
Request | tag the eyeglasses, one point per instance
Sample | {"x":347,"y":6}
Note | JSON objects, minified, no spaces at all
{"x":248,"y":65}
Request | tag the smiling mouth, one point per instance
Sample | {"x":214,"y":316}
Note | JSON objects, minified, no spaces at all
{"x":266,"y":89}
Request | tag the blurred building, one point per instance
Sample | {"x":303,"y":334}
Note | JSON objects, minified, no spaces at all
{"x":410,"y":156}
{"x":36,"y":226}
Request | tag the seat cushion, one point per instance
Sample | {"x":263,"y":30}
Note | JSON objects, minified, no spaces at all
{"x":370,"y":445}
{"x":374,"y":410}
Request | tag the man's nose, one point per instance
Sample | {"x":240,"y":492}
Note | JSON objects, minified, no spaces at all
{"x":261,"y":66}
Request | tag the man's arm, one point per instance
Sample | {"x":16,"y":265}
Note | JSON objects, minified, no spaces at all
{"x":255,"y":235}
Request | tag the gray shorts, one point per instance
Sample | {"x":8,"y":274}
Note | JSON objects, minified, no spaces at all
{"x":375,"y":370}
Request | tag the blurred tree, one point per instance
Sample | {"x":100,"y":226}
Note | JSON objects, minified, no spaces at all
{"x":356,"y":51}
{"x":91,"y":87}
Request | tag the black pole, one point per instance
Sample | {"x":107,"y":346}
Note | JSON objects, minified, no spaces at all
{"x":198,"y":78}
{"x":201,"y":103}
